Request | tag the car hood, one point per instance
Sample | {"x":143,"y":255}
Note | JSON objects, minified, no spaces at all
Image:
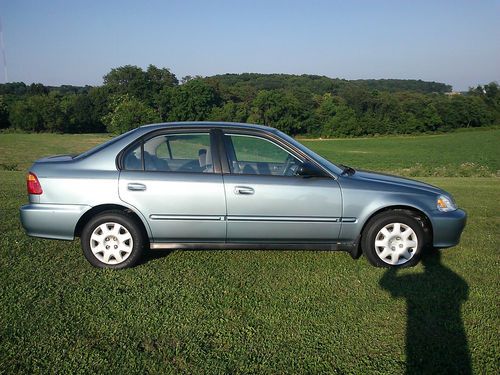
{"x":396,"y":180}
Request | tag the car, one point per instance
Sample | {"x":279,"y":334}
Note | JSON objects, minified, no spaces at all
{"x":207,"y":185}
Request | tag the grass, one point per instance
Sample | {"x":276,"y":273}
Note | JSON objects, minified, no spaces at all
{"x":465,"y":153}
{"x":19,"y":150}
{"x":250,"y":311}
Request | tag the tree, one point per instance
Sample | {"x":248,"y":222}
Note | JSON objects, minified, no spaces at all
{"x":231,"y":112}
{"x":38,"y":113}
{"x":4,"y":114}
{"x":336,"y":117}
{"x":53,"y":116}
{"x":127,"y":80}
{"x":37,"y":89}
{"x":128,"y":113}
{"x":78,"y":110}
{"x":193,"y":101}
{"x":163,"y":102}
{"x":278,"y":109}
{"x":99,"y":98}
{"x":24,"y":116}
{"x":157,"y":80}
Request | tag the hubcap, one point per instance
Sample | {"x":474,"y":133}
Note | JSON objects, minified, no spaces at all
{"x":396,"y":243}
{"x":111,"y":243}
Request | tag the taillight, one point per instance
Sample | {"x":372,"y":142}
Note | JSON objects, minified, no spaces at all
{"x":33,"y":184}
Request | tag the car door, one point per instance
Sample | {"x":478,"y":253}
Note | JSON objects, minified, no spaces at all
{"x":174,"y":180}
{"x":267,"y":202}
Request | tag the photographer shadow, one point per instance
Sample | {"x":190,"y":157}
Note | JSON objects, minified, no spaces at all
{"x":435,"y":337}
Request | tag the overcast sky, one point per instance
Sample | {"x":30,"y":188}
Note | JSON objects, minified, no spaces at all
{"x":76,"y":42}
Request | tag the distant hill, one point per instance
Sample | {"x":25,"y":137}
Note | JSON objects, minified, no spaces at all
{"x":393,"y":85}
{"x":20,"y":88}
{"x":322,"y":84}
{"x":256,"y":81}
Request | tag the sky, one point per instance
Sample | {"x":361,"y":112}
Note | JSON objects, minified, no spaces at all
{"x":77,"y":42}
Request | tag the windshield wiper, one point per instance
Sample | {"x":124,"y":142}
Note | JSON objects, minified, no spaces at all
{"x":346,"y":170}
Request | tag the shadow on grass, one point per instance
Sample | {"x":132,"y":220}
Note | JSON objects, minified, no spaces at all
{"x":435,"y":336}
{"x":151,"y":255}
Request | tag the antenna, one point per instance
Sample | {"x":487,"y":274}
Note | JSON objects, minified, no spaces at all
{"x":2,"y":46}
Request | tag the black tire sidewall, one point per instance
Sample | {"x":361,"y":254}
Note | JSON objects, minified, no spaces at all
{"x":378,"y":222}
{"x":117,"y":217}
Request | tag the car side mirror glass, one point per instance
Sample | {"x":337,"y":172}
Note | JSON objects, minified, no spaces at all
{"x":308,"y":169}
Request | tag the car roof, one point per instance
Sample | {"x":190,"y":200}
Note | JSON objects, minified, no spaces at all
{"x":211,"y":124}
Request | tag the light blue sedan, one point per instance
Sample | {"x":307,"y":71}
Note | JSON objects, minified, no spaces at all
{"x":230,"y":186}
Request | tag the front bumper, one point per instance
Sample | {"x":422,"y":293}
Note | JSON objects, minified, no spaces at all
{"x":447,"y":227}
{"x":55,"y":221}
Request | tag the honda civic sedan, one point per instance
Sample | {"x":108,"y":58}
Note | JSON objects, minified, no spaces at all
{"x":230,"y":186}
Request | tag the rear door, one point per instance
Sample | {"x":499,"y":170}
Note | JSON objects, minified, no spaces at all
{"x":175,"y":180}
{"x":267,"y":202}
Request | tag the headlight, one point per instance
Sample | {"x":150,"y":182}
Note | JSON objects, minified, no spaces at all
{"x":445,"y":204}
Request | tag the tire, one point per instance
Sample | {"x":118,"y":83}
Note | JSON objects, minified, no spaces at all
{"x":113,"y":239}
{"x":393,"y":239}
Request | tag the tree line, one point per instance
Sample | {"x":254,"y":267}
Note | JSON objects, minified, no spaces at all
{"x":297,"y":104}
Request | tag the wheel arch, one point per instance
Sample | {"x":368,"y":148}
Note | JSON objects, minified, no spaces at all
{"x":96,"y":210}
{"x":418,"y":214}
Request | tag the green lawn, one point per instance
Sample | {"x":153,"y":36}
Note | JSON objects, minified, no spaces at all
{"x":470,"y":152}
{"x":253,"y":311}
{"x":18,"y":151}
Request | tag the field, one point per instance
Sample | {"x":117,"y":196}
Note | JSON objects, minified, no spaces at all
{"x":260,"y":311}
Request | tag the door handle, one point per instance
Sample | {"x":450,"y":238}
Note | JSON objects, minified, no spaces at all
{"x":243,"y":190}
{"x":134,"y":186}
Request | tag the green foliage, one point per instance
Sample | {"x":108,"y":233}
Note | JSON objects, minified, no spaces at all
{"x":79,"y":113}
{"x":38,"y":113}
{"x":231,"y":112}
{"x":4,"y":114}
{"x":128,"y":113}
{"x":337,"y":117}
{"x":192,"y":101}
{"x":277,"y":108}
{"x":306,"y":104}
{"x":395,"y":85}
{"x":127,"y":80}
{"x":144,"y":85}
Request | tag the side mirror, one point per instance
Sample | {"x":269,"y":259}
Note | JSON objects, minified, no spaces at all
{"x":308,"y":169}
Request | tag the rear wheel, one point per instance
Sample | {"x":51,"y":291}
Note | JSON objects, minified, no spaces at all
{"x":112,"y":240}
{"x":393,"y":239}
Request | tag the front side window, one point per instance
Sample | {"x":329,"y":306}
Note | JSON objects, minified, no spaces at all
{"x":259,"y":156}
{"x":190,"y":152}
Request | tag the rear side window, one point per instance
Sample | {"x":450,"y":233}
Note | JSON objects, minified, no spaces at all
{"x":132,"y":160}
{"x":190,"y":152}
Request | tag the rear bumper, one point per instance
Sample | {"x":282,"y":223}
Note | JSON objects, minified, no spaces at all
{"x":55,"y":221}
{"x":447,"y":227}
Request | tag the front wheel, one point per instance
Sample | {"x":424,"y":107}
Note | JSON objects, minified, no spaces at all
{"x":112,"y":240}
{"x":393,"y":239}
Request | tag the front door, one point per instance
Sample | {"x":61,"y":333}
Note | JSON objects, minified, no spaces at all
{"x":267,"y":202}
{"x":172,"y":180}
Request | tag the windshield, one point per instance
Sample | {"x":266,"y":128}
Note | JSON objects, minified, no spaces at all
{"x":328,"y":164}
